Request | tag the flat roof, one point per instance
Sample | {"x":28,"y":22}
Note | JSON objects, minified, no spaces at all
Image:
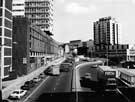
{"x":130,"y":72}
{"x":106,"y":68}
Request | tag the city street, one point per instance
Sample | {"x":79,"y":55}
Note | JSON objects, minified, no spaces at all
{"x":58,"y":88}
{"x":87,"y":94}
{"x":52,"y":86}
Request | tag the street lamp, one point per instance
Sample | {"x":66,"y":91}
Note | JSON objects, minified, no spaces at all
{"x":107,"y":54}
{"x":1,"y":52}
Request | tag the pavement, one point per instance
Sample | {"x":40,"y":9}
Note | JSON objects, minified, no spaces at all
{"x":12,"y":85}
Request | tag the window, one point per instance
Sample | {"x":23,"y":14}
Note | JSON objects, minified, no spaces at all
{"x":8,"y":14}
{"x":7,"y":42}
{"x":8,"y":4}
{"x":8,"y":23}
{"x":0,"y":21}
{"x":7,"y":61}
{"x":1,"y":3}
{"x":7,"y":51}
{"x":8,"y":33}
{"x":0,"y":12}
{"x":0,"y":31}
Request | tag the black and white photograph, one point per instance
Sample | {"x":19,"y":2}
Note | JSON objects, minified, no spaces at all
{"x":67,"y":50}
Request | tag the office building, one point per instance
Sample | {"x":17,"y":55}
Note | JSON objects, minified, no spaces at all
{"x":106,"y":31}
{"x":106,"y":40}
{"x":5,"y":37}
{"x":40,"y":13}
{"x":18,"y":7}
{"x":34,"y":46}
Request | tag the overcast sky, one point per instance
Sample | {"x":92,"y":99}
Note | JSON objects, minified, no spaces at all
{"x":73,"y":19}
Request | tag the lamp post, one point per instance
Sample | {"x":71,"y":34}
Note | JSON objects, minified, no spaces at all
{"x":2,"y":52}
{"x":107,"y":54}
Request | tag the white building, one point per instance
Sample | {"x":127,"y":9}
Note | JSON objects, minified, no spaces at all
{"x":18,"y":8}
{"x":40,"y":12}
{"x":106,"y":31}
{"x":131,"y":54}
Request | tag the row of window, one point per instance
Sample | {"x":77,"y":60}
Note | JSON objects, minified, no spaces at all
{"x":37,"y":4}
{"x":37,"y":15}
{"x":44,"y":9}
{"x":41,"y":42}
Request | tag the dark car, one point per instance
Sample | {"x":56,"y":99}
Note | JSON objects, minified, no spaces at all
{"x":47,"y":70}
{"x":5,"y":101}
{"x":42,"y":75}
{"x":27,"y":85}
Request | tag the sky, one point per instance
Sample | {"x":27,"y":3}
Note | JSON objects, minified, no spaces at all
{"x":73,"y":19}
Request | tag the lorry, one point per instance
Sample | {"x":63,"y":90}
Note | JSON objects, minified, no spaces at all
{"x":54,"y":70}
{"x":106,"y":77}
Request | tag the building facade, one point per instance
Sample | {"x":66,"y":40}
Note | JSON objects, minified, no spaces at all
{"x":86,"y":48}
{"x":131,"y":54}
{"x":106,"y":40}
{"x":18,"y":8}
{"x":106,"y":32}
{"x":34,"y":46}
{"x":5,"y":37}
{"x":40,"y":13}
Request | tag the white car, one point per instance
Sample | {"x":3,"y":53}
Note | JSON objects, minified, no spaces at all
{"x":36,"y":79}
{"x":17,"y":94}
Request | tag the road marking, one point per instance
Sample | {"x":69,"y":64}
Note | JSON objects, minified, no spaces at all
{"x":128,"y":100}
{"x":35,"y":89}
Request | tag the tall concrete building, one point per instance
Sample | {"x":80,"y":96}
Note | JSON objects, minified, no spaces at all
{"x":106,"y":31}
{"x":5,"y":37}
{"x":40,"y":12}
{"x":106,"y":40}
{"x":18,"y":8}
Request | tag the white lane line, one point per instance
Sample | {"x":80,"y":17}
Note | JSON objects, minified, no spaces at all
{"x":128,"y":100}
{"x":35,"y":89}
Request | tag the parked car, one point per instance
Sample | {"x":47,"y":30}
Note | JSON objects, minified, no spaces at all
{"x":28,"y":84}
{"x":25,"y":87}
{"x":47,"y":70}
{"x":17,"y":94}
{"x":42,"y":75}
{"x":5,"y":100}
{"x":36,"y":79}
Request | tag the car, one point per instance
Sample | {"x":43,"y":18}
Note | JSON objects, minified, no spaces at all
{"x":36,"y":79}
{"x":42,"y":75}
{"x":46,"y":71}
{"x":25,"y":87}
{"x":17,"y":94}
{"x":87,"y":77}
{"x":5,"y":100}
{"x":30,"y":84}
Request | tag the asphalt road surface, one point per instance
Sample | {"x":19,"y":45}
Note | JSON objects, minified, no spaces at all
{"x":58,"y":89}
{"x":53,"y":86}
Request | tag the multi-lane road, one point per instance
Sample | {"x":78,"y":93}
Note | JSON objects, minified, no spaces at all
{"x":52,"y":87}
{"x":67,"y":88}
